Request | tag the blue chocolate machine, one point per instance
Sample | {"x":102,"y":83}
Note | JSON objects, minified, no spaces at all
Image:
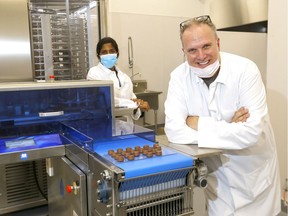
{"x":96,"y":164}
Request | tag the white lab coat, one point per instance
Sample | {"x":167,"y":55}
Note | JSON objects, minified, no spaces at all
{"x":244,"y":180}
{"x":122,"y":94}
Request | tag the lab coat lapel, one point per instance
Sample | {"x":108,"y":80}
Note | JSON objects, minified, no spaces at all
{"x":212,"y":100}
{"x":214,"y":94}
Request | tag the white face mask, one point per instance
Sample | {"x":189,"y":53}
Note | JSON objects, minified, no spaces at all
{"x":206,"y":72}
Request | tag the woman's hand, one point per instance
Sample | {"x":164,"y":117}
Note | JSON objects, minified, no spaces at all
{"x":143,"y":105}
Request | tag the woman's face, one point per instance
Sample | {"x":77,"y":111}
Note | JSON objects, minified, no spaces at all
{"x":108,"y":56}
{"x":200,"y":45}
{"x":107,"y":49}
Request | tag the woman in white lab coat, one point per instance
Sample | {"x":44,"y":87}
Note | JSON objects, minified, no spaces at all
{"x":218,"y":100}
{"x":108,"y":52}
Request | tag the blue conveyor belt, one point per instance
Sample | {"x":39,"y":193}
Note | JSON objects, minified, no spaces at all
{"x":170,"y":159}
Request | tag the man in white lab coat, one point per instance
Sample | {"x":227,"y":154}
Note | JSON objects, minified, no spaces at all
{"x":218,"y":100}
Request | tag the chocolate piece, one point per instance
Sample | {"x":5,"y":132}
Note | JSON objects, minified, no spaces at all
{"x":146,"y":147}
{"x":149,"y":154}
{"x":126,"y":154}
{"x":158,"y":152}
{"x":114,"y":154}
{"x":119,"y":150}
{"x":130,"y":157}
{"x":156,"y":145}
{"x":137,"y":148}
{"x":110,"y":152}
{"x":120,"y":158}
{"x":128,"y":149}
{"x":158,"y":148}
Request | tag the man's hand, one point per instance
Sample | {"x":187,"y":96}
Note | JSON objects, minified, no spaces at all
{"x":192,"y":121}
{"x":241,"y":115}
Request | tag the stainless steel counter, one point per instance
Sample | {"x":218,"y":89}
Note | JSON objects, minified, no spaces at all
{"x":122,"y":111}
{"x":152,"y":97}
{"x":188,"y":149}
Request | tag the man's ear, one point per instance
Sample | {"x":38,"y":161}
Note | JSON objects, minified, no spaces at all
{"x":218,"y":43}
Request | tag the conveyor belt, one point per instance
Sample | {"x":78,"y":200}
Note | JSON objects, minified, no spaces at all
{"x":170,"y":159}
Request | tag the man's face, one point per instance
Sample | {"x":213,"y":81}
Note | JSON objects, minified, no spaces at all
{"x":200,"y":45}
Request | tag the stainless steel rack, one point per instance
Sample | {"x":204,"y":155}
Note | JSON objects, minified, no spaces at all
{"x":59,"y":35}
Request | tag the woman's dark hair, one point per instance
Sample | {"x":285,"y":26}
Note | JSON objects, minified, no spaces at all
{"x":106,"y":40}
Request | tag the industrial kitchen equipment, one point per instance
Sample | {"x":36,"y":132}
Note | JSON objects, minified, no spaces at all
{"x":96,"y":165}
{"x":29,"y":132}
{"x":112,"y":167}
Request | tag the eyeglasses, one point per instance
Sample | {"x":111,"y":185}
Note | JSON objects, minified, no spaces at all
{"x":199,"y":19}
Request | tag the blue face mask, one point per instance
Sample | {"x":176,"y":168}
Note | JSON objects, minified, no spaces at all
{"x":109,"y":60}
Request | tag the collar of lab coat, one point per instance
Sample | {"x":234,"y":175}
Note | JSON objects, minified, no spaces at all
{"x":223,"y":73}
{"x":107,"y":70}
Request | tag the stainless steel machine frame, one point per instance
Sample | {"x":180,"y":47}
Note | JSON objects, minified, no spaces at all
{"x":27,"y":115}
{"x":168,"y":198}
{"x":107,"y":191}
{"x":95,"y":187}
{"x":71,"y":126}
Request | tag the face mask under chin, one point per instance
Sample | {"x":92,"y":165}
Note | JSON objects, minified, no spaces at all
{"x":206,"y":72}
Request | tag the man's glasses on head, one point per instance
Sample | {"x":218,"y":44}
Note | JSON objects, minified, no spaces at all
{"x":204,"y":19}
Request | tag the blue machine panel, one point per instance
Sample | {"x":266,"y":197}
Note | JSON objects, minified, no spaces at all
{"x":90,"y":132}
{"x":25,"y":143}
{"x":31,"y":116}
{"x":43,"y":105}
{"x":34,"y":147}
